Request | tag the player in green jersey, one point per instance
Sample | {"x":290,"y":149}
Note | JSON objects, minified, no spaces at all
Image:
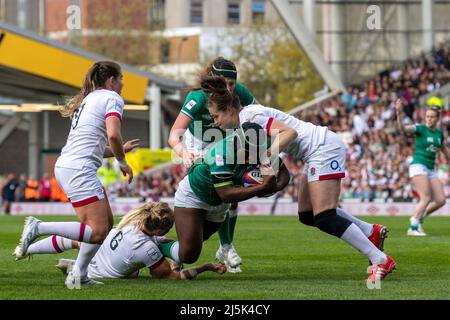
{"x":195,"y":127}
{"x":213,"y":182}
{"x":429,"y":139}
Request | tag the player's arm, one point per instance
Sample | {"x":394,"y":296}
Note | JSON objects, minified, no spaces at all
{"x":113,"y":129}
{"x":283,"y":177}
{"x":446,"y":151}
{"x":281,"y":134}
{"x":398,"y":109}
{"x":230,"y":193}
{"x":176,"y":134}
{"x":163,"y":270}
{"x":127,"y":147}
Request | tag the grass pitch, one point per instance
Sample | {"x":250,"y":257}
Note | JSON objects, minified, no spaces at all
{"x":282,"y":259}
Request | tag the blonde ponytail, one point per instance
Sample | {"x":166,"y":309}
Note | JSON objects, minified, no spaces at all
{"x":150,"y":217}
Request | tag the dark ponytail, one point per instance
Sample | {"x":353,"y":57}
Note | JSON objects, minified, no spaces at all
{"x":219,"y":95}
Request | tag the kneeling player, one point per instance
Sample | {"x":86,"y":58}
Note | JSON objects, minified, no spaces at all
{"x":132,"y":245}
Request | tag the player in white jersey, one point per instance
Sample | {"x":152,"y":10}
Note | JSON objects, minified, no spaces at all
{"x":129,"y":247}
{"x":96,"y":114}
{"x":323,"y":154}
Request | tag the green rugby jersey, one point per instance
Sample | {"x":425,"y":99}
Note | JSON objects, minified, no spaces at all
{"x":196,"y":107}
{"x":427,"y":143}
{"x":218,"y":168}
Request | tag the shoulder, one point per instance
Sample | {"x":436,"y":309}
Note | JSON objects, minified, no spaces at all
{"x":252,"y":110}
{"x":199,"y":96}
{"x":240,"y":87}
{"x":115,"y":96}
{"x":104,"y":97}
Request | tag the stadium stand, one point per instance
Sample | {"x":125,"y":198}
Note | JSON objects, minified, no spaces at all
{"x":377,"y":157}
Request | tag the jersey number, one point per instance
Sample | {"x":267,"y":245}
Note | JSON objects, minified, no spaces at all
{"x":115,"y":241}
{"x":76,"y":116}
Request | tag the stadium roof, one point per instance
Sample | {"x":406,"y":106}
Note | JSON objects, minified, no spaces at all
{"x":36,"y":69}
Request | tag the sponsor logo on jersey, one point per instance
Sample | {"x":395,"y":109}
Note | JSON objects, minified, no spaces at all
{"x":153,"y":254}
{"x":430,"y":139}
{"x":334,"y":165}
{"x":99,"y":191}
{"x":190,"y":104}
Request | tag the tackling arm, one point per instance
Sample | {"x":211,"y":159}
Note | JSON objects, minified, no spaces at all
{"x":163,"y":270}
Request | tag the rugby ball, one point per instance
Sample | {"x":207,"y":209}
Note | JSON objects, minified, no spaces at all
{"x":252,"y":177}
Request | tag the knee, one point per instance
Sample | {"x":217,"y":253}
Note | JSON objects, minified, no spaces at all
{"x":426,"y":198}
{"x":189,"y":256}
{"x":99,"y":234}
{"x":440,"y":202}
{"x":307,"y":218}
{"x":328,"y":221}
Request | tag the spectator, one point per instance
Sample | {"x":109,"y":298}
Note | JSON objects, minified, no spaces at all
{"x":9,"y":192}
{"x":32,"y":189}
{"x":45,"y":188}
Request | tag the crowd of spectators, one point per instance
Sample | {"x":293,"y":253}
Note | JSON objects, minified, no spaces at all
{"x":29,"y":189}
{"x":378,"y":156}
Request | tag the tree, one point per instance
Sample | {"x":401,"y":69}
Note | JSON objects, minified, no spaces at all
{"x":120,"y":30}
{"x":271,"y":64}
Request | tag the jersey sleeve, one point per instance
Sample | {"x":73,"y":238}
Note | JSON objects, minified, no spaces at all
{"x":193,"y":104}
{"x":250,"y":114}
{"x":149,"y":254}
{"x":114,"y":108}
{"x":245,"y":97}
{"x":221,"y":173}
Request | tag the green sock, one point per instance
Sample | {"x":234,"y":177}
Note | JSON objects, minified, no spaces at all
{"x":166,"y":249}
{"x":233,"y":221}
{"x":224,"y":231}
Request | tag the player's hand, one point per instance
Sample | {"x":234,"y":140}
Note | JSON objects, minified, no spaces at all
{"x":188,"y":159}
{"x":219,"y":268}
{"x":131,"y":144}
{"x":127,"y":171}
{"x":398,"y":106}
{"x":269,"y":181}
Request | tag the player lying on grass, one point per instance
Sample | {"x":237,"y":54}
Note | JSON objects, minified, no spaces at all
{"x":129,"y":247}
{"x":204,"y":195}
{"x":323,"y":153}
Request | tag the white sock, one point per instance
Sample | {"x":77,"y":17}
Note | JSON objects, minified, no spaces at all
{"x":233,"y":213}
{"x":87,"y":252}
{"x":72,"y":230}
{"x":357,"y":239}
{"x":365,"y":227}
{"x":414,"y":222}
{"x":53,"y":244}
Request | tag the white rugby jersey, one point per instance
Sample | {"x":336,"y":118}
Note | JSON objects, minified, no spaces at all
{"x":124,"y":252}
{"x":309,"y":136}
{"x":87,"y":138}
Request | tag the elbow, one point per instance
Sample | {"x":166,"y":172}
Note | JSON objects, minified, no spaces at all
{"x":113,"y":138}
{"x":293,"y":134}
{"x":172,"y":142}
{"x":226,"y":198}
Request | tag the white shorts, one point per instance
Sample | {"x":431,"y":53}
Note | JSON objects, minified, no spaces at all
{"x":82,"y":187}
{"x":186,"y":198}
{"x":327,"y":161}
{"x":418,"y":169}
{"x":194,"y":145}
